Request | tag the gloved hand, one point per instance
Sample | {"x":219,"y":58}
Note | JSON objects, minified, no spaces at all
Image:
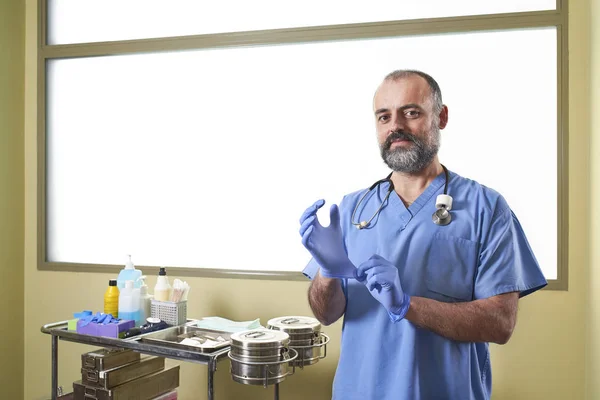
{"x":326,"y":245}
{"x":381,"y":279}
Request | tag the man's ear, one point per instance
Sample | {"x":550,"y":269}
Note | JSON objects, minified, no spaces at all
{"x":443,"y":117}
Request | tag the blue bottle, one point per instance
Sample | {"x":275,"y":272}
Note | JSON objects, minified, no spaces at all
{"x":129,"y":273}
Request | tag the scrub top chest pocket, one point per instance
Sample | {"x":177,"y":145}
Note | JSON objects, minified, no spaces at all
{"x":451,"y":268}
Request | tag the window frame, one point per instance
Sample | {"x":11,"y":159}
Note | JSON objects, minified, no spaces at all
{"x":557,"y":18}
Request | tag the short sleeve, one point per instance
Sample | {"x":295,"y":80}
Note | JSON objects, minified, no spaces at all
{"x":506,"y":261}
{"x":311,"y":269}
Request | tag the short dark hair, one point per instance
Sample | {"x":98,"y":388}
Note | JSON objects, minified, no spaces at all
{"x":436,"y":92}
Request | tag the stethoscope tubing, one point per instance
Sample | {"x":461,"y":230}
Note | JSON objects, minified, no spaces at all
{"x":364,"y":224}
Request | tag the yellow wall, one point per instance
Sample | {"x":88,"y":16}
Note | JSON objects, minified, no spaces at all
{"x":593,"y":353}
{"x":12,"y":61}
{"x":545,"y":359}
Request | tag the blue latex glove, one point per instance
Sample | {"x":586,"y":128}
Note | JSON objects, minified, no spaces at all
{"x":381,"y":279}
{"x":83,"y":314}
{"x":99,"y":318}
{"x":108,"y":319}
{"x":102,"y":318}
{"x":86,"y":320}
{"x":326,"y":245}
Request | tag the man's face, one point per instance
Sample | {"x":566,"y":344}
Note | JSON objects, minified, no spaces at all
{"x":407,"y":130}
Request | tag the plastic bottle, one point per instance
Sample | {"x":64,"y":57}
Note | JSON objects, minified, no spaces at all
{"x":145,"y":300}
{"x":129,"y":303}
{"x":129,"y":273}
{"x":162,"y":289}
{"x":111,"y":299}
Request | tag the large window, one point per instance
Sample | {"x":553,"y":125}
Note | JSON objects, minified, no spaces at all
{"x":201,"y":152}
{"x":77,"y":21}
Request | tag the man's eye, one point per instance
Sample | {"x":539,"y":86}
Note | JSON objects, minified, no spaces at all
{"x":384,"y":118}
{"x":412,"y":113}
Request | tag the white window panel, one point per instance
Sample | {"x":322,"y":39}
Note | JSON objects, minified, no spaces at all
{"x":81,"y":21}
{"x":208,"y":158}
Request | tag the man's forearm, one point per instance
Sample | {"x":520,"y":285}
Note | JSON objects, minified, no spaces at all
{"x":326,"y":299}
{"x":488,"y":320}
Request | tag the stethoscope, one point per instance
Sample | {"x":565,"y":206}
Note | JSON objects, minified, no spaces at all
{"x":443,"y":203}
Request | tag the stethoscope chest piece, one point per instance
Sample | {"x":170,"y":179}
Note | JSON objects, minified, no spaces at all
{"x":442,"y":215}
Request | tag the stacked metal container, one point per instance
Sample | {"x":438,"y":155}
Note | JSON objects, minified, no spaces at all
{"x":117,"y":374}
{"x":260,"y":357}
{"x":305,"y":337}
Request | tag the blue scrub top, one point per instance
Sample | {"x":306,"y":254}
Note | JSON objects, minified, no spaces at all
{"x":483,"y":252}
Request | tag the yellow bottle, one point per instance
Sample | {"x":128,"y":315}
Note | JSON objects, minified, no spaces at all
{"x":111,"y":299}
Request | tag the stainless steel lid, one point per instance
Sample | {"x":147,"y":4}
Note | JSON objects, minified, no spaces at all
{"x":260,"y":338}
{"x":294,"y":325}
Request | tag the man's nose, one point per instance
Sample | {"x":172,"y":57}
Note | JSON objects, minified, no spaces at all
{"x":397,"y":123}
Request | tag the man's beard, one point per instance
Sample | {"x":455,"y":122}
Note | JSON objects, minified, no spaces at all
{"x":415,"y":158}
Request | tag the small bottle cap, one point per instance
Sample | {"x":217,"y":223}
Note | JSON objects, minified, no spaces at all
{"x":162,"y":271}
{"x":112,"y":282}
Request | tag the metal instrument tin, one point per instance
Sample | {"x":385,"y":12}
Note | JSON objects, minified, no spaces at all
{"x":108,"y":379}
{"x":147,"y":387}
{"x":103,"y":359}
{"x":305,"y":337}
{"x":260,"y":357}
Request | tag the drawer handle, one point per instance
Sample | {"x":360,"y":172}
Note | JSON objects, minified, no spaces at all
{"x":92,"y":376}
{"x":89,"y":362}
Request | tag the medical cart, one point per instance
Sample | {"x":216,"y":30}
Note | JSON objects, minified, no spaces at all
{"x":58,"y":330}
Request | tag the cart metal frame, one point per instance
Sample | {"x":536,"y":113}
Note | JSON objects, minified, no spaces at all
{"x":58,"y":330}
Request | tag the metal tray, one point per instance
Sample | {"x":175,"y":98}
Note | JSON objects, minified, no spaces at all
{"x":173,"y":336}
{"x":144,"y":388}
{"x":104,"y":359}
{"x":117,"y":376}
